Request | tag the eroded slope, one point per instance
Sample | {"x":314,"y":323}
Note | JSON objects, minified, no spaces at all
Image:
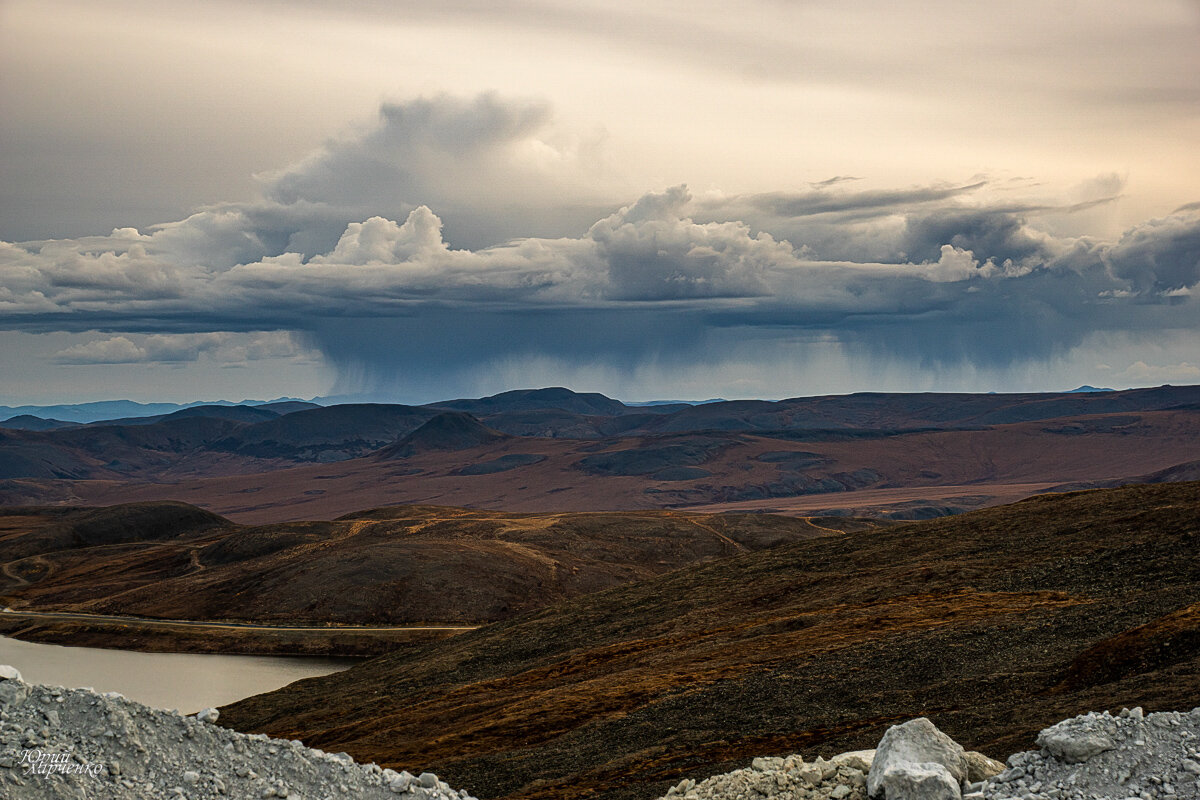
{"x":994,"y":624}
{"x":394,"y":566}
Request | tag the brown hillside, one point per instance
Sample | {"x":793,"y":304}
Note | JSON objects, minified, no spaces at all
{"x":393,"y":566}
{"x":452,"y":430}
{"x":994,"y":624}
{"x":922,"y":474}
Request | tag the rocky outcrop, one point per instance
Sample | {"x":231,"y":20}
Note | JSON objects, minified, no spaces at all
{"x":916,"y":760}
{"x":791,"y":778}
{"x":1106,"y":757}
{"x":1074,"y":741}
{"x":1130,"y":756}
{"x":74,"y":743}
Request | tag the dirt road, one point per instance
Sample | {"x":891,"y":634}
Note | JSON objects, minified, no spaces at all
{"x":69,"y":616}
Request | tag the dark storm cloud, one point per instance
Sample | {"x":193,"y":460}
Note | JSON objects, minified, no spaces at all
{"x":996,"y":235}
{"x":974,"y":266}
{"x":348,"y":249}
{"x":986,"y":323}
{"x":904,"y":225}
{"x":1160,"y":257}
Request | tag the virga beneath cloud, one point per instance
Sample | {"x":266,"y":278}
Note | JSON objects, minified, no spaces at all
{"x":347,"y":248}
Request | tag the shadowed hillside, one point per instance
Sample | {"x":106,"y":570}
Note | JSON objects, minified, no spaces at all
{"x":994,"y":624}
{"x":556,"y":397}
{"x":391,"y":566}
{"x":43,"y":531}
{"x":448,"y":431}
{"x":28,"y":422}
{"x":923,"y":454}
{"x":335,"y":433}
{"x":915,"y":475}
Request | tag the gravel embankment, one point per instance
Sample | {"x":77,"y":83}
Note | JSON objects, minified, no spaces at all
{"x":75,"y":743}
{"x":1097,"y":756}
{"x":1130,"y":755}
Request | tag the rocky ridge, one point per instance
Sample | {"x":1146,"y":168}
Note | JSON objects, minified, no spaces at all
{"x":1130,"y":755}
{"x":75,"y":744}
{"x":1096,"y":756}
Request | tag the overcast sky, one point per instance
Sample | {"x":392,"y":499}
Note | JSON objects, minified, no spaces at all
{"x":412,"y":201}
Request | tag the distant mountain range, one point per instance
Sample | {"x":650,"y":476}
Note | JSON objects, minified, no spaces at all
{"x":51,"y":416}
{"x":875,"y":454}
{"x":117,"y":409}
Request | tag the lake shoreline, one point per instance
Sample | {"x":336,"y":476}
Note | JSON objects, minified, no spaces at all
{"x":184,"y":681}
{"x":215,"y":637}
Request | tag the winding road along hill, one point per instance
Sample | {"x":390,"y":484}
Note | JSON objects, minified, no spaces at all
{"x":406,"y":565}
{"x":994,"y":624}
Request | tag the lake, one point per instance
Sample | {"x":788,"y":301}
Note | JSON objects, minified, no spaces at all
{"x":184,"y":681}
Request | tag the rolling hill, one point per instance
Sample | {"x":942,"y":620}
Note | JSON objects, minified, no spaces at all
{"x":587,"y":403}
{"x":859,"y":473}
{"x":447,"y":432}
{"x":396,"y":566}
{"x":886,"y":455}
{"x":994,"y":624}
{"x":29,"y":422}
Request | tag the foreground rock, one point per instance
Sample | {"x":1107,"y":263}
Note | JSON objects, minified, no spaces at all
{"x":1130,"y":756}
{"x":74,"y":743}
{"x":848,"y":776}
{"x":791,"y":778}
{"x":916,"y":760}
{"x":1101,"y":756}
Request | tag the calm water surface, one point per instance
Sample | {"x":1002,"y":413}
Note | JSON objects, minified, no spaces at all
{"x":184,"y":681}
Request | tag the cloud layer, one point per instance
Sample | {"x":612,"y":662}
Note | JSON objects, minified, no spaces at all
{"x":224,"y":348}
{"x":347,"y":248}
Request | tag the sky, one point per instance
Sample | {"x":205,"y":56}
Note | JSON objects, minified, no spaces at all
{"x":402,"y":201}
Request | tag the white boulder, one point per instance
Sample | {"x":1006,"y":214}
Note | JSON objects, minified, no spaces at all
{"x":13,"y":689}
{"x":906,"y":757}
{"x":1076,"y":740}
{"x":925,"y":781}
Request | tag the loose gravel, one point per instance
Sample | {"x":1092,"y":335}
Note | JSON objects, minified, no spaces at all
{"x":76,"y":744}
{"x":1103,"y":757}
{"x":843,"y":777}
{"x":1097,"y":756}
